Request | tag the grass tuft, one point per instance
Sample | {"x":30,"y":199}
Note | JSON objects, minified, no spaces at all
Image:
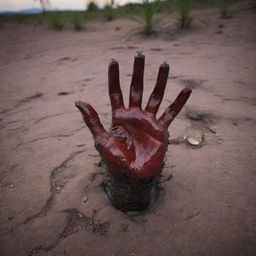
{"x":77,"y":22}
{"x":108,"y":12}
{"x":55,"y":20}
{"x":224,"y":6}
{"x":184,"y":8}
{"x":147,"y":16}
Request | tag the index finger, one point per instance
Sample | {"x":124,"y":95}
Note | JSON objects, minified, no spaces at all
{"x":114,"y":90}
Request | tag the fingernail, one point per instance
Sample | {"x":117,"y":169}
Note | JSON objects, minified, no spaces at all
{"x":139,"y":54}
{"x":77,"y":103}
{"x":165,"y":64}
{"x":113,"y":62}
{"x":189,"y":87}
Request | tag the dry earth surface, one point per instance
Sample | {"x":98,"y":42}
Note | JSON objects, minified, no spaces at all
{"x":52,"y":201}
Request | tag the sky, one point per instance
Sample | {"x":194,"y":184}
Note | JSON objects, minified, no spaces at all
{"x":14,"y":5}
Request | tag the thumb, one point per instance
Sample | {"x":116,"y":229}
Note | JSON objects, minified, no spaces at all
{"x":91,"y":119}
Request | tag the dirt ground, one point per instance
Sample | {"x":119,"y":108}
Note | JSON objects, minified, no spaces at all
{"x":52,"y":201}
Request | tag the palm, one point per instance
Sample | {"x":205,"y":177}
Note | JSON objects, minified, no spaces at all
{"x":137,"y":142}
{"x":140,"y":140}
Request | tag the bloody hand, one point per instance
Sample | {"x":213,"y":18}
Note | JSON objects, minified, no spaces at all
{"x":137,"y":142}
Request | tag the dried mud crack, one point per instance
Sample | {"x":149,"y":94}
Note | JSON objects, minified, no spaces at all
{"x":55,"y":187}
{"x":53,"y":115}
{"x":20,"y":102}
{"x":51,"y":136}
{"x":76,"y":221}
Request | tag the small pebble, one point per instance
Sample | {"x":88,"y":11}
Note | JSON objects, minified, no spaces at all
{"x":195,"y":137}
{"x":80,"y":215}
{"x":213,"y":129}
{"x":11,"y":186}
{"x":219,"y":141}
{"x":85,"y":199}
{"x":177,"y":140}
{"x":193,"y":141}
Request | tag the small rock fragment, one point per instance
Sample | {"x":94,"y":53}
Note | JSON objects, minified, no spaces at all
{"x":177,"y":140}
{"x":34,"y":251}
{"x":85,"y":199}
{"x":195,"y":137}
{"x":212,"y":129}
{"x":219,"y":141}
{"x":80,"y":215}
{"x":193,"y":141}
{"x":11,"y":186}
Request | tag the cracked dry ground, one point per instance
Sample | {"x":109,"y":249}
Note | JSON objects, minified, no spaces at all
{"x":52,"y":202}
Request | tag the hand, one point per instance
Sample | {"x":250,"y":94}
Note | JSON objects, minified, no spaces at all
{"x":137,"y":143}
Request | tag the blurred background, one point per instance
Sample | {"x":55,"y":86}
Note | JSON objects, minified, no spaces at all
{"x":62,"y":12}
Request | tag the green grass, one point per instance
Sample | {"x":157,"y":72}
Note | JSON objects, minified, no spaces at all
{"x":147,"y":12}
{"x":184,"y":8}
{"x":108,"y":12}
{"x":20,"y":18}
{"x":77,"y":22}
{"x":224,"y":8}
{"x":55,"y":20}
{"x":148,"y":15}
